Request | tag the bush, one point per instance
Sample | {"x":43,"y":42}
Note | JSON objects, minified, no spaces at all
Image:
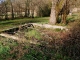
{"x":33,"y":54}
{"x":4,"y":51}
{"x":69,"y":20}
{"x":33,"y":34}
{"x":71,"y":42}
{"x":66,"y":43}
{"x":10,"y":49}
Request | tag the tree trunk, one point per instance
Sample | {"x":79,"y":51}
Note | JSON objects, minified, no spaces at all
{"x":6,"y":8}
{"x":12,"y":11}
{"x":6,"y":15}
{"x":27,"y":12}
{"x":56,"y":8}
{"x":64,"y":16}
{"x":53,"y":14}
{"x":65,"y":12}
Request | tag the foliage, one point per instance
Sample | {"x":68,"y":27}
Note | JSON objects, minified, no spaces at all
{"x":34,"y":54}
{"x":5,"y":47}
{"x":33,"y":34}
{"x":4,"y":51}
{"x":57,"y":29}
{"x":71,"y":42}
{"x":55,"y":45}
{"x":10,"y":49}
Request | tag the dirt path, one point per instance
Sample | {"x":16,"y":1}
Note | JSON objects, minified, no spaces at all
{"x":49,"y":26}
{"x":18,"y":38}
{"x":9,"y":36}
{"x":35,"y":24}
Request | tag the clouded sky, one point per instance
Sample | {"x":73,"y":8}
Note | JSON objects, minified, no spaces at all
{"x":1,"y":0}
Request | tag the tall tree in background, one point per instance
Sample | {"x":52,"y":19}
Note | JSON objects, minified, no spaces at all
{"x":12,"y":9}
{"x":27,"y":8}
{"x":44,"y":7}
{"x":53,"y":13}
{"x":64,"y":12}
{"x":6,"y":9}
{"x":57,"y":6}
{"x":61,"y":7}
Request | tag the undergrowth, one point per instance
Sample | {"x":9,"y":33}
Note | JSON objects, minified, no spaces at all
{"x":33,"y":34}
{"x":59,"y":45}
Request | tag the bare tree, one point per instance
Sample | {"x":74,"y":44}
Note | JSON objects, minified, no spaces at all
{"x":27,"y":8}
{"x":2,"y":10}
{"x":12,"y":11}
{"x":6,"y":9}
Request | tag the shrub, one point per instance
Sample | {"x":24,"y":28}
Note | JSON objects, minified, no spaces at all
{"x":69,"y":20}
{"x":71,"y":42}
{"x":4,"y":51}
{"x":66,"y":43}
{"x":33,"y":34}
{"x":33,"y":54}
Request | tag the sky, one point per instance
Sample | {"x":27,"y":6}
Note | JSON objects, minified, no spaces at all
{"x":1,"y":0}
{"x":4,"y":0}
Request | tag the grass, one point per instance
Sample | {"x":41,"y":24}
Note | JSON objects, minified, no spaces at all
{"x":38,"y":52}
{"x":73,"y":17}
{"x":5,"y":45}
{"x":33,"y":34}
{"x":70,"y":18}
{"x":55,"y":50}
{"x":14,"y":23}
{"x":34,"y":55}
